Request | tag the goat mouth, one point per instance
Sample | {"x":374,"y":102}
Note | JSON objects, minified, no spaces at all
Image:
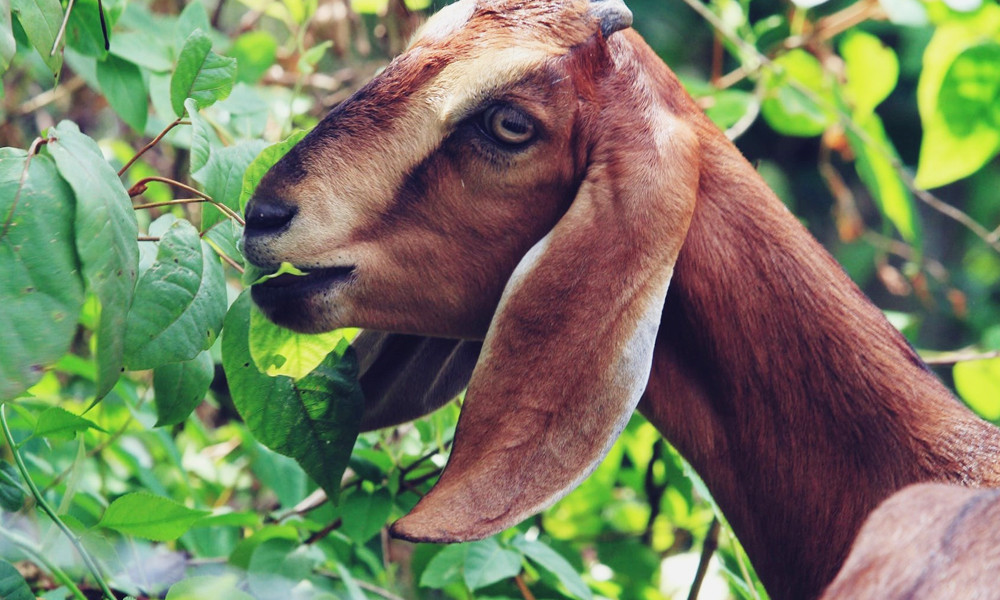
{"x":287,"y":286}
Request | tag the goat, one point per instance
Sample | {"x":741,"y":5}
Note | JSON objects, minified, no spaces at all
{"x":509,"y":201}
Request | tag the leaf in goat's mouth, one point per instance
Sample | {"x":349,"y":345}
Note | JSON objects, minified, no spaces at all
{"x":257,"y":275}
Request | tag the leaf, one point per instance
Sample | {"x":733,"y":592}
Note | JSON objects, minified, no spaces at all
{"x":364,"y":514}
{"x":41,"y":20}
{"x":193,"y":17}
{"x":180,"y":302}
{"x":728,"y":107}
{"x":891,"y":195}
{"x":786,"y":108}
{"x":872,"y":70}
{"x":223,"y":176}
{"x":149,"y":516}
{"x":83,"y":31}
{"x":353,"y":589}
{"x":11,"y":493}
{"x":122,"y":84}
{"x":552,"y":561}
{"x":203,"y":137}
{"x":262,"y":163}
{"x":59,"y":423}
{"x":145,"y":50}
{"x":12,"y":583}
{"x":978,"y":383}
{"x":8,"y":45}
{"x":955,"y":148}
{"x":180,"y":387}
{"x":208,"y":587}
{"x":200,"y":74}
{"x":279,"y":351}
{"x":486,"y":562}
{"x":42,"y":291}
{"x":315,"y":420}
{"x":970,"y":92}
{"x":106,"y":240}
{"x":255,"y":52}
{"x":444,"y":568}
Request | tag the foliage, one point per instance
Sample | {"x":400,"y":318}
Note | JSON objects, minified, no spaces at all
{"x":163,"y":439}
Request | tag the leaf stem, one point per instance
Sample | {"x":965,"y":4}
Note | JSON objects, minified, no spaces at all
{"x":58,"y":574}
{"x":40,"y":499}
{"x":523,"y":587}
{"x":140,"y":187}
{"x":155,"y":141}
{"x":62,"y":28}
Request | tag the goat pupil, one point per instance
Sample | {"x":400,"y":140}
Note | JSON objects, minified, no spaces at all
{"x":509,"y":125}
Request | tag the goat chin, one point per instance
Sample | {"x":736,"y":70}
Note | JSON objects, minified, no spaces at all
{"x":530,"y":174}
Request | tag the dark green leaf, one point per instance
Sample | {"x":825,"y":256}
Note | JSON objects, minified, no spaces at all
{"x":122,"y":84}
{"x":12,"y":583}
{"x":59,"y":423}
{"x":149,"y":516}
{"x":549,"y":559}
{"x":83,"y":31}
{"x":41,"y":20}
{"x":487,"y":562}
{"x":255,"y":52}
{"x":315,"y":420}
{"x":180,"y":302}
{"x":364,"y":514}
{"x":42,"y":290}
{"x":180,"y":387}
{"x":106,"y":240}
{"x":11,"y":493}
{"x":200,"y":74}
{"x":223,"y":177}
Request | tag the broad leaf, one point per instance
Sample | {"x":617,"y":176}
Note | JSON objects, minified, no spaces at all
{"x":41,"y":20}
{"x":315,"y":420}
{"x":83,"y":31}
{"x":445,"y":568}
{"x":143,"y":49}
{"x":8,"y":45}
{"x":978,"y":383}
{"x":11,"y":493}
{"x":42,"y":290}
{"x":222,"y":177}
{"x":149,"y":516}
{"x":279,"y":351}
{"x":203,"y":138}
{"x":262,"y":163}
{"x":255,"y":52}
{"x":872,"y":70}
{"x":786,"y":107}
{"x":486,"y":562}
{"x":194,"y":16}
{"x":180,"y":387}
{"x":208,"y":587}
{"x":180,"y":302}
{"x":364,"y":514}
{"x":552,"y":561}
{"x":124,"y":87}
{"x":106,"y":240}
{"x":200,"y":74}
{"x":59,"y":423}
{"x":12,"y":583}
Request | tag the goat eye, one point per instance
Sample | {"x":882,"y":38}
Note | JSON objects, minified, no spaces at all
{"x":508,"y":125}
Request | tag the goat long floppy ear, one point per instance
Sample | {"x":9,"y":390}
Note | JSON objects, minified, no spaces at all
{"x":569,"y":350}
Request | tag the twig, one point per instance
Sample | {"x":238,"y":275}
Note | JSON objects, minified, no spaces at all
{"x":156,"y":140}
{"x":708,"y":548}
{"x":148,"y":238}
{"x":950,"y":358}
{"x":140,"y":187}
{"x":62,"y":28}
{"x":523,"y":587}
{"x":49,"y":96}
{"x":40,"y":500}
{"x":322,"y":533}
{"x":20,"y":186}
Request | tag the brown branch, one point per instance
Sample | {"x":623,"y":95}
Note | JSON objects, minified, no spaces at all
{"x":148,"y":238}
{"x":156,"y":140}
{"x":322,"y":533}
{"x":140,"y":187}
{"x":707,"y":550}
{"x":62,"y":28}
{"x":523,"y":587}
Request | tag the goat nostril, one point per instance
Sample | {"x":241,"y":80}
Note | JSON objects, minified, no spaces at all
{"x":268,"y":217}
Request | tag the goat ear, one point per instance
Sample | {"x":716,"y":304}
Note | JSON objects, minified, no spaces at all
{"x":569,"y":350}
{"x":612,"y":15}
{"x":404,"y":377}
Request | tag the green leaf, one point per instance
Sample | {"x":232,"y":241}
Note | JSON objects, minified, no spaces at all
{"x":875,"y":168}
{"x":200,"y":74}
{"x":149,"y":516}
{"x":11,"y":492}
{"x":41,"y":20}
{"x":208,"y":587}
{"x":978,"y":383}
{"x":279,"y":351}
{"x":12,"y":584}
{"x":83,"y":30}
{"x":552,"y":561}
{"x":8,"y":45}
{"x":180,"y":387}
{"x":445,"y":568}
{"x":58,"y":423}
{"x":193,"y":17}
{"x":278,"y":564}
{"x":106,"y":240}
{"x":486,"y":562}
{"x":353,"y":589}
{"x":728,"y":107}
{"x":122,"y":84}
{"x":315,"y":420}
{"x":203,"y":137}
{"x":872,"y":70}
{"x":223,"y":176}
{"x":954,"y":146}
{"x":143,"y":49}
{"x":42,"y":291}
{"x":180,"y":302}
{"x":255,"y":52}
{"x":786,"y":108}
{"x":364,"y":514}
{"x":262,"y":163}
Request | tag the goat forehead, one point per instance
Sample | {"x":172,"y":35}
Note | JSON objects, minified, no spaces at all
{"x":554,"y":23}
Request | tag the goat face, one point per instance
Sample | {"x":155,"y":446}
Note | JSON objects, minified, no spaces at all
{"x":411,"y":203}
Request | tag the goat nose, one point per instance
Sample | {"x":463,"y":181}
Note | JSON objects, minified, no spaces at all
{"x":267,"y":217}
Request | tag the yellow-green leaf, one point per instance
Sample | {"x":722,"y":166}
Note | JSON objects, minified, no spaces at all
{"x":978,"y":383}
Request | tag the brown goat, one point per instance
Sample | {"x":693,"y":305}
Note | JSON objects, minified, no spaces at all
{"x":528,"y":176}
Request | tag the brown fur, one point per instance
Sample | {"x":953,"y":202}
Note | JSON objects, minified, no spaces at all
{"x":788,"y":391}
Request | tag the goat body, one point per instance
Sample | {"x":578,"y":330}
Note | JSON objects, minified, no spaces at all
{"x":527,"y":180}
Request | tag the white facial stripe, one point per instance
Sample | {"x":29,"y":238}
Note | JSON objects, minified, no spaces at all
{"x":446,"y":21}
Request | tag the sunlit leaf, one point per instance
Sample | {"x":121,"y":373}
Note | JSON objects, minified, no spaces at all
{"x":106,"y":240}
{"x":180,"y":302}
{"x":223,"y":175}
{"x":280,"y":351}
{"x":978,"y":383}
{"x":180,"y":387}
{"x":59,"y":423}
{"x":264,"y":160}
{"x":200,"y":74}
{"x":41,"y":20}
{"x":193,"y":17}
{"x":42,"y":290}
{"x":150,"y":516}
{"x":872,"y":70}
{"x":552,"y":561}
{"x":124,"y":87}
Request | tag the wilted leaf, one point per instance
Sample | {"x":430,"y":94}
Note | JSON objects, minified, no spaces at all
{"x":42,"y":290}
{"x":149,"y":516}
{"x":106,"y":240}
{"x":200,"y":74}
{"x":180,"y":387}
{"x":180,"y":302}
{"x":122,"y":84}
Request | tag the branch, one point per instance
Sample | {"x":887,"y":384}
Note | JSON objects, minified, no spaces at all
{"x":950,"y":358}
{"x":708,"y":548}
{"x":156,"y":140}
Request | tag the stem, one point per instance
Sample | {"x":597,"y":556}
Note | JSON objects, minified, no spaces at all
{"x":58,"y":574}
{"x":523,"y":587}
{"x":154,"y":142}
{"x":707,"y":550}
{"x":140,"y":187}
{"x":40,"y":500}
{"x":950,"y":358}
{"x":62,"y":28}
